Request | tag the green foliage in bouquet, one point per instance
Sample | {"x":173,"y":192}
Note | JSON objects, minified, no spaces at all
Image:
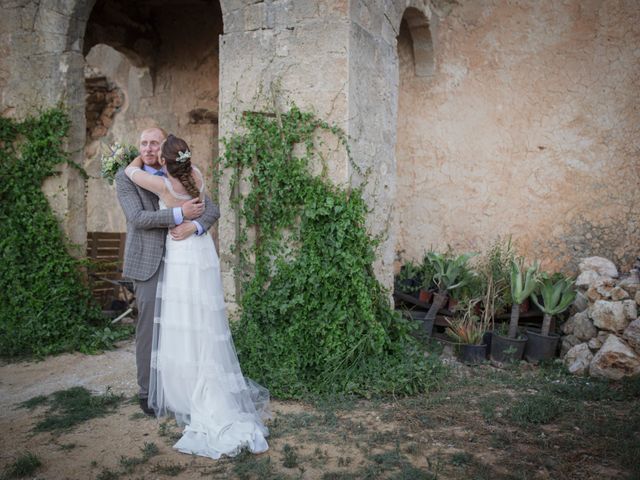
{"x":314,"y":317}
{"x":114,"y":157}
{"x":45,"y":307}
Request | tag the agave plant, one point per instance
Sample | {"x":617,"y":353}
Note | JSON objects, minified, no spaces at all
{"x":523,"y":284}
{"x":467,"y":328}
{"x":449,"y":273}
{"x":556,"y":298}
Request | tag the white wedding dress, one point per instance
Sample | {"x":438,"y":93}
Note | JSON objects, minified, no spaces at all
{"x":195,"y":374}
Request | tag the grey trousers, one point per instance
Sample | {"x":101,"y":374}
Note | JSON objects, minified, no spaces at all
{"x":146,"y":300}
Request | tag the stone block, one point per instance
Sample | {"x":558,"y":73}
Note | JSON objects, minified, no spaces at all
{"x":581,"y":302}
{"x":632,"y":335}
{"x":583,"y":327}
{"x":595,"y":344}
{"x":618,"y":293}
{"x":615,"y":360}
{"x":578,"y":359}
{"x":586,"y":278}
{"x":630,"y":309}
{"x":600,"y":265}
{"x":609,"y":315}
{"x":568,"y":342}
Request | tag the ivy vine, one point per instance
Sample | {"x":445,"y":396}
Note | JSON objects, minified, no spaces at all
{"x":45,"y":306}
{"x":314,"y":317}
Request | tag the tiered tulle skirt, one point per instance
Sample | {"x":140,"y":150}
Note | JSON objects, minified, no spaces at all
{"x":195,"y":374}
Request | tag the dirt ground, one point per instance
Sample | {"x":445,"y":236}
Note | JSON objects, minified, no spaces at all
{"x":484,"y":423}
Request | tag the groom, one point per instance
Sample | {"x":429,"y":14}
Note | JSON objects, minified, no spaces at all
{"x":146,"y":233}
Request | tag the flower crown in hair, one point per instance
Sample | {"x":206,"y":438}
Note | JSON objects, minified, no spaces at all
{"x":183,"y":156}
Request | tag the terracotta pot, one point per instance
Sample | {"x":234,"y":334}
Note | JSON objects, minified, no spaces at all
{"x":453,"y":304}
{"x":425,"y":296}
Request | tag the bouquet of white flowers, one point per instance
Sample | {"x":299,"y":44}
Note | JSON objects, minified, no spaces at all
{"x":115,"y":157}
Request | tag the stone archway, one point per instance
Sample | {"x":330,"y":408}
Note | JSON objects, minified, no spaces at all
{"x":167,"y":72}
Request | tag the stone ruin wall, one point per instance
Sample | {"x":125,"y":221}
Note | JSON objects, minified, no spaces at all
{"x":173,"y":85}
{"x":529,"y":126}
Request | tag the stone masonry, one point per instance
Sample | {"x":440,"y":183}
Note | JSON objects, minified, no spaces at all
{"x":471,"y":119}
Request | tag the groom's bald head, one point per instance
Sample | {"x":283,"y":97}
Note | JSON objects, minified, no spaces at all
{"x":150,"y":141}
{"x":161,"y":131}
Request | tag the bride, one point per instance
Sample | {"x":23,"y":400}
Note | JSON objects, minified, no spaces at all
{"x":195,"y":374}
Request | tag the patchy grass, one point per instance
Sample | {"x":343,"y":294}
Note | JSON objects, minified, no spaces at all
{"x":24,"y":466}
{"x":129,"y":465}
{"x":68,"y":408}
{"x":522,"y":422}
{"x":537,"y":409}
{"x":170,"y":469}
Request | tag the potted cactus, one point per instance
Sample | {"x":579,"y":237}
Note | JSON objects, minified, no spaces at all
{"x":557,"y":294}
{"x":523,"y":283}
{"x":449,"y":273}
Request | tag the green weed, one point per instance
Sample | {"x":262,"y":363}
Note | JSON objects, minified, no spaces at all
{"x":290,"y":458}
{"x":107,"y":474}
{"x":25,"y":465}
{"x":247,"y":466}
{"x":169,"y":469}
{"x":460,"y":459}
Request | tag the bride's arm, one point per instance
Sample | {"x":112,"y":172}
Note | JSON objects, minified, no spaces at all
{"x":153,"y":183}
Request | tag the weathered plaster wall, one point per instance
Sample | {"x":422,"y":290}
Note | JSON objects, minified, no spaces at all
{"x":299,"y":48}
{"x":41,"y":66}
{"x":527,"y":123}
{"x":529,"y":126}
{"x":174,"y":85}
{"x":336,"y":57}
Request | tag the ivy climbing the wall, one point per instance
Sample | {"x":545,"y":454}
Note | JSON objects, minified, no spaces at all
{"x":314,"y":317}
{"x":45,"y":307}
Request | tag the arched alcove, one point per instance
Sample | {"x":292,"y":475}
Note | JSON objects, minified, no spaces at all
{"x":416,"y":26}
{"x":416,"y":67}
{"x":159,"y":59}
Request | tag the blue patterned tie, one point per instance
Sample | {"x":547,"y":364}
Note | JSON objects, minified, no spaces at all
{"x":159,"y":173}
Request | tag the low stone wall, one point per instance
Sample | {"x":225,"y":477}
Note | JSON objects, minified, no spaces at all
{"x":602,"y":338}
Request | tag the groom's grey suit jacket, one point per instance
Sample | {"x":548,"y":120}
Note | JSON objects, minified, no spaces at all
{"x":147,"y":227}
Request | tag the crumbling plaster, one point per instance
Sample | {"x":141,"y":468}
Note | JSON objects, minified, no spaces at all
{"x":526,"y":123}
{"x":528,"y":127}
{"x":177,"y":78}
{"x":41,"y":65}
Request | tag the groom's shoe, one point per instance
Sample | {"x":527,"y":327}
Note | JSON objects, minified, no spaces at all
{"x":144,"y":406}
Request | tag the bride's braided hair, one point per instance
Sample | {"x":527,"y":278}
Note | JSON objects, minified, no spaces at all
{"x":177,"y":167}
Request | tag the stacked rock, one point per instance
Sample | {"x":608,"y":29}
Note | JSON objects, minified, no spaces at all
{"x":602,"y":338}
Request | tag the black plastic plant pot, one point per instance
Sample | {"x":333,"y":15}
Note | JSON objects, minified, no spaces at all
{"x":505,"y":349}
{"x":473,"y":354}
{"x":486,"y":339}
{"x":540,"y":347}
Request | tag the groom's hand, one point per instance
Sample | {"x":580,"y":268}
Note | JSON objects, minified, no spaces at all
{"x":182,"y":231}
{"x":194,"y":208}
